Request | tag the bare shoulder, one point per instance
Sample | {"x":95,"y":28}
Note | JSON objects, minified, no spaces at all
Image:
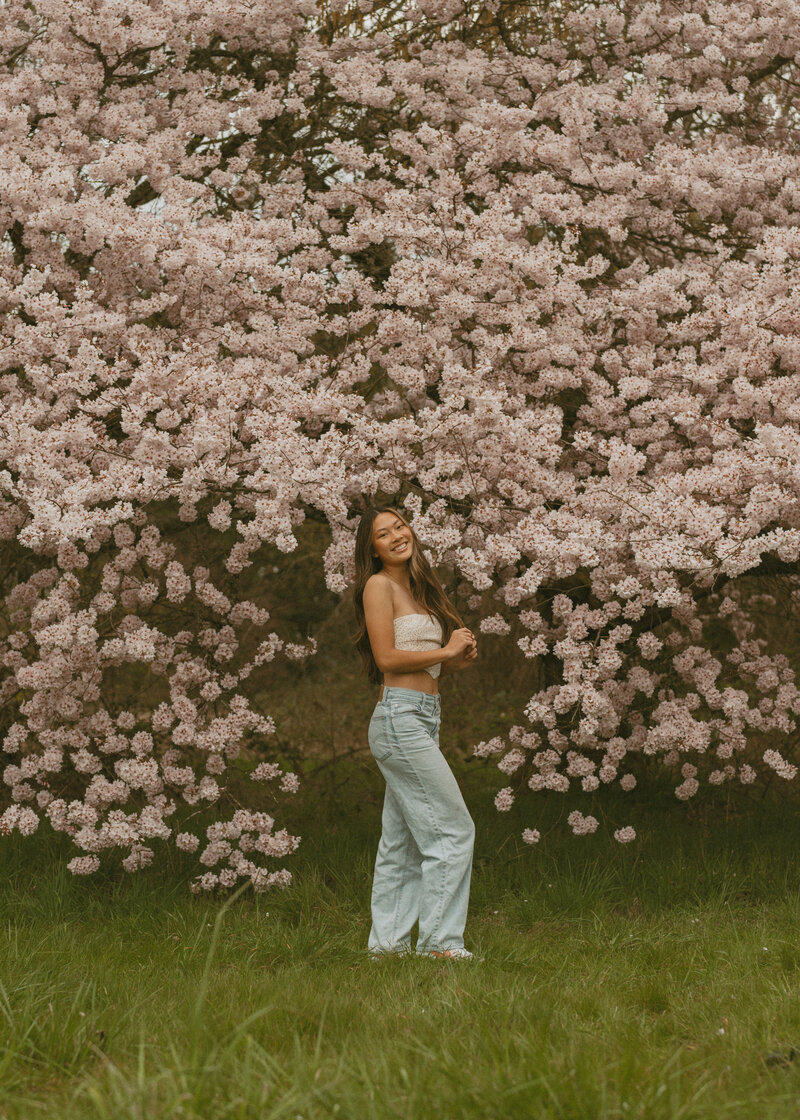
{"x":378,"y":591}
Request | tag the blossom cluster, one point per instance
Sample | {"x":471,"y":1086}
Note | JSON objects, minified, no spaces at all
{"x":114,"y":782}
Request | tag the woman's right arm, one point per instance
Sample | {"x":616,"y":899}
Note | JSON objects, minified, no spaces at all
{"x":378,"y":614}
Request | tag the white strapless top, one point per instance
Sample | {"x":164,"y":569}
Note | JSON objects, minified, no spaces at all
{"x":419,"y":632}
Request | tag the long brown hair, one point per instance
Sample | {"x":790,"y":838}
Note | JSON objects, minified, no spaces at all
{"x":425,"y":588}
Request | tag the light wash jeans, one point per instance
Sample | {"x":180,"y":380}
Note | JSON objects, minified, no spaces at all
{"x":424,"y":861}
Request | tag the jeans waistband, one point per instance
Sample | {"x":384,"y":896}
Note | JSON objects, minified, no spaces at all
{"x":428,"y":701}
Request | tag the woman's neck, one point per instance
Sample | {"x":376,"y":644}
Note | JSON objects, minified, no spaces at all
{"x":399,"y":576}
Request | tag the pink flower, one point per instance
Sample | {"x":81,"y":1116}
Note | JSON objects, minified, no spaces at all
{"x":581,"y":825}
{"x":83,"y":865}
{"x":504,"y":799}
{"x":495,"y":624}
{"x":511,"y":762}
{"x":266,"y":771}
{"x":778,"y":763}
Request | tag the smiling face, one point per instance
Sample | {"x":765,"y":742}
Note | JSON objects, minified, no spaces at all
{"x":392,"y":539}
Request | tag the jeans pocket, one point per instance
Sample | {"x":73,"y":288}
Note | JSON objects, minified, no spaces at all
{"x":407,"y":730}
{"x":379,"y":741}
{"x":402,"y":707}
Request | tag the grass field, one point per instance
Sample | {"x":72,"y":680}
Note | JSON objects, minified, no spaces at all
{"x":651,"y":981}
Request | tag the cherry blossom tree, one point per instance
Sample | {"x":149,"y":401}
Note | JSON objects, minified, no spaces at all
{"x":529,"y":269}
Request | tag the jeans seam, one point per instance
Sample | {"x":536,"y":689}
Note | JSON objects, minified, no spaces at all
{"x":439,"y":911}
{"x":408,"y":850}
{"x":392,"y":942}
{"x":395,"y":911}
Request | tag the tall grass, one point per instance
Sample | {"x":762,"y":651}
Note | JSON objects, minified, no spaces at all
{"x":658,"y":980}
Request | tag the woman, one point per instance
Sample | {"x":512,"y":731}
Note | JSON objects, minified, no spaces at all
{"x":424,"y":861}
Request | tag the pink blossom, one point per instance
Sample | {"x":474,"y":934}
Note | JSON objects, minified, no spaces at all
{"x":495,"y":624}
{"x":265,"y":771}
{"x":778,"y":763}
{"x":83,"y":865}
{"x":687,"y":789}
{"x":504,"y":799}
{"x":511,"y":761}
{"x":581,"y":825}
{"x":485,"y":749}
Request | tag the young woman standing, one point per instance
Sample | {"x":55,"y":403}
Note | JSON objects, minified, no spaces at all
{"x":424,"y":861}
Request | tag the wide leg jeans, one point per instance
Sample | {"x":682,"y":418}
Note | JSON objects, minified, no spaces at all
{"x":424,"y":861}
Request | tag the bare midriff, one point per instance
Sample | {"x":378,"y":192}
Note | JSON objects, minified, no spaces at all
{"x":421,"y":681}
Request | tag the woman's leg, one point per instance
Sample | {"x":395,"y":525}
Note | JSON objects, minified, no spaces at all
{"x":396,"y":882}
{"x":433,"y":809}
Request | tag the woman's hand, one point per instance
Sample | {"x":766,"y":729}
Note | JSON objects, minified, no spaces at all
{"x":465,"y":659}
{"x":462,"y":660}
{"x":460,"y":641}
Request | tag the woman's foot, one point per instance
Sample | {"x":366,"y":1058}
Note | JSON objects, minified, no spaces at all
{"x":454,"y":954}
{"x":379,"y":954}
